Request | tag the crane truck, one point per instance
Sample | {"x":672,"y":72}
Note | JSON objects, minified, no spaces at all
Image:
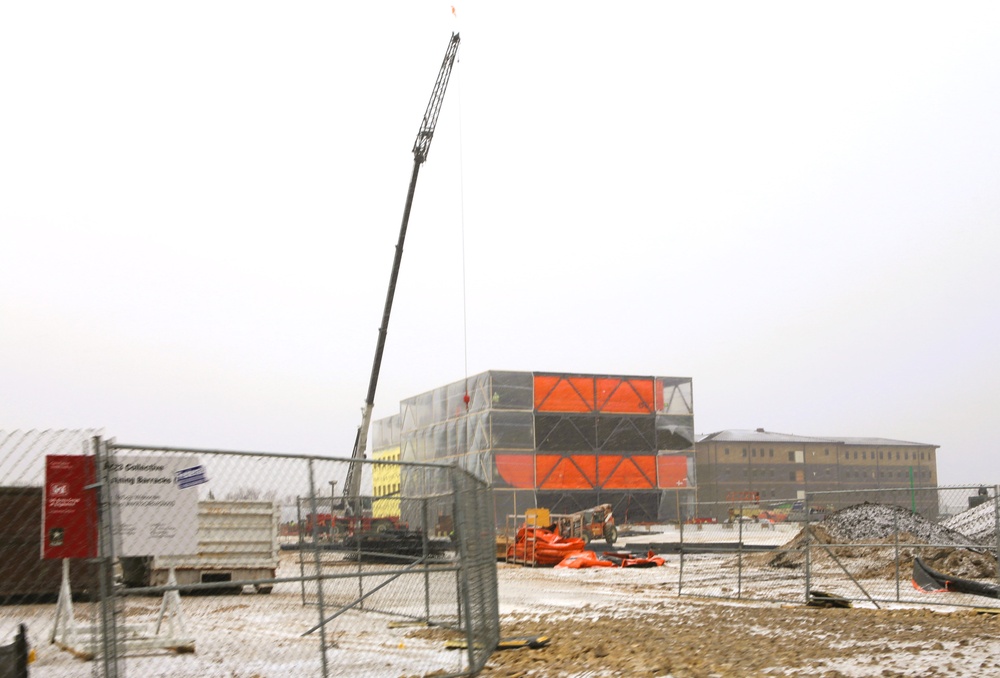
{"x":354,"y":520}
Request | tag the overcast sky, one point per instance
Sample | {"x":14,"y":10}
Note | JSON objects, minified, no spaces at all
{"x":798,"y":206}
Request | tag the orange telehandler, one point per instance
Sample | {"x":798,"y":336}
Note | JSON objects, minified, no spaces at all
{"x":593,"y":523}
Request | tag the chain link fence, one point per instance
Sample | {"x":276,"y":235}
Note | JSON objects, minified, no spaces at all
{"x":236,"y":564}
{"x":874,"y":547}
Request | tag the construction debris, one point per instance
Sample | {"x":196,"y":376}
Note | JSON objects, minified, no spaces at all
{"x":823,"y":599}
{"x":865,"y":535}
{"x":868,"y":521}
{"x":929,"y":580}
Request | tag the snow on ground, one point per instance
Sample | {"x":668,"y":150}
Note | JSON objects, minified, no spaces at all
{"x":612,"y":622}
{"x":253,"y":636}
{"x":601,"y":622}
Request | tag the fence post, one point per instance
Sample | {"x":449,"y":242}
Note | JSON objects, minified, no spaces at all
{"x":105,"y":522}
{"x":299,"y":528}
{"x":895,"y":534}
{"x":808,"y":545}
{"x":680,"y":526}
{"x":425,"y":516}
{"x":996,"y":519}
{"x":739,"y":554}
{"x":466,"y":534}
{"x":319,"y":565}
{"x":358,"y":521}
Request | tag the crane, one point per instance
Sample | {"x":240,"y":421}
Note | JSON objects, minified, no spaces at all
{"x":352,"y":484}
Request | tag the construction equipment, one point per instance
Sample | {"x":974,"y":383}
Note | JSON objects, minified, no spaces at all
{"x":336,"y":528}
{"x":593,"y":523}
{"x":352,"y":485}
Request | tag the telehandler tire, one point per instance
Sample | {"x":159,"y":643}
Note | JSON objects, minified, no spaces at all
{"x":610,"y":534}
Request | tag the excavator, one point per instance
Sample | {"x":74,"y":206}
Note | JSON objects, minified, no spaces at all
{"x":351,"y":502}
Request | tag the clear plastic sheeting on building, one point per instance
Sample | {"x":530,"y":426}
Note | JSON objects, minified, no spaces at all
{"x":561,"y":441}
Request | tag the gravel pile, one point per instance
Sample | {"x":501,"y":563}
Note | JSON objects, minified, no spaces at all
{"x":863,"y":522}
{"x":979,"y":522}
{"x":858,"y":535}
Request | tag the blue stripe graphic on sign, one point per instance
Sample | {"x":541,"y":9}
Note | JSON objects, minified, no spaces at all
{"x":189,"y":477}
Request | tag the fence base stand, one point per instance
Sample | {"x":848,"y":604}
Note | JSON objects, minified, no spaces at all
{"x":168,"y":632}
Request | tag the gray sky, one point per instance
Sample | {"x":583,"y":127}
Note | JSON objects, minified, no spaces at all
{"x":795,"y":205}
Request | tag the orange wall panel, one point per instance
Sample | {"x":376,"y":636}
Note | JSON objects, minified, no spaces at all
{"x":557,"y":393}
{"x":517,"y":470}
{"x":636,"y":472}
{"x":589,"y":471}
{"x":672,"y":470}
{"x":588,"y":465}
{"x":625,"y":396}
{"x":615,"y":395}
{"x":576,"y":472}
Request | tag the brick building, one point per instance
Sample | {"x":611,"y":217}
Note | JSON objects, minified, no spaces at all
{"x":780,"y":466}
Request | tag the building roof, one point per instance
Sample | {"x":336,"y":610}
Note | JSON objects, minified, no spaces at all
{"x":884,"y":442}
{"x":736,"y":435}
{"x":761,"y":436}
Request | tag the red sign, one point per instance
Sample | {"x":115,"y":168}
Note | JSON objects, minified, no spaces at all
{"x":70,"y":512}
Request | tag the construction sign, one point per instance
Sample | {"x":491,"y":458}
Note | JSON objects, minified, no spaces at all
{"x":70,"y":507}
{"x":154,"y":504}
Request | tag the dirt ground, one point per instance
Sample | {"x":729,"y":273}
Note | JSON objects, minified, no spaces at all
{"x":598,"y":622}
{"x":631,"y":623}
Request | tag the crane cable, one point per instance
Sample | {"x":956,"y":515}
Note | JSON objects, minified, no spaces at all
{"x":461,"y":200}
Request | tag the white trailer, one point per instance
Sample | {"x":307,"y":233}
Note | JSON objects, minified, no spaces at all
{"x":237,"y":541}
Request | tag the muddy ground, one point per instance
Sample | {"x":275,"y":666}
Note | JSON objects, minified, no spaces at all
{"x":601,"y":624}
{"x":738,"y":616}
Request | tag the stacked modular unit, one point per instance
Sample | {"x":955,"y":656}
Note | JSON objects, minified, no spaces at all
{"x":561,"y":441}
{"x":385,"y":477}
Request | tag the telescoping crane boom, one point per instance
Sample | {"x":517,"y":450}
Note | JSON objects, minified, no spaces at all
{"x":352,"y":485}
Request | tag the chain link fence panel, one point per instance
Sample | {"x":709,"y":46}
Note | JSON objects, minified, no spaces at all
{"x":845,"y":547}
{"x":220,"y":563}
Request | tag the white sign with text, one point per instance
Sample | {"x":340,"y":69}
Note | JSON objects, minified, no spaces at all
{"x":154,"y":505}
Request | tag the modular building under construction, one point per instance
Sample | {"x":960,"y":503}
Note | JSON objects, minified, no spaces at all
{"x":561,"y":441}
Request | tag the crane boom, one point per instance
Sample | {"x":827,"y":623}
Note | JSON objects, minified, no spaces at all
{"x":352,"y":485}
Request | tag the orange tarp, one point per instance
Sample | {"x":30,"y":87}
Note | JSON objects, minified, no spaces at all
{"x":580,"y":559}
{"x":542,"y":547}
